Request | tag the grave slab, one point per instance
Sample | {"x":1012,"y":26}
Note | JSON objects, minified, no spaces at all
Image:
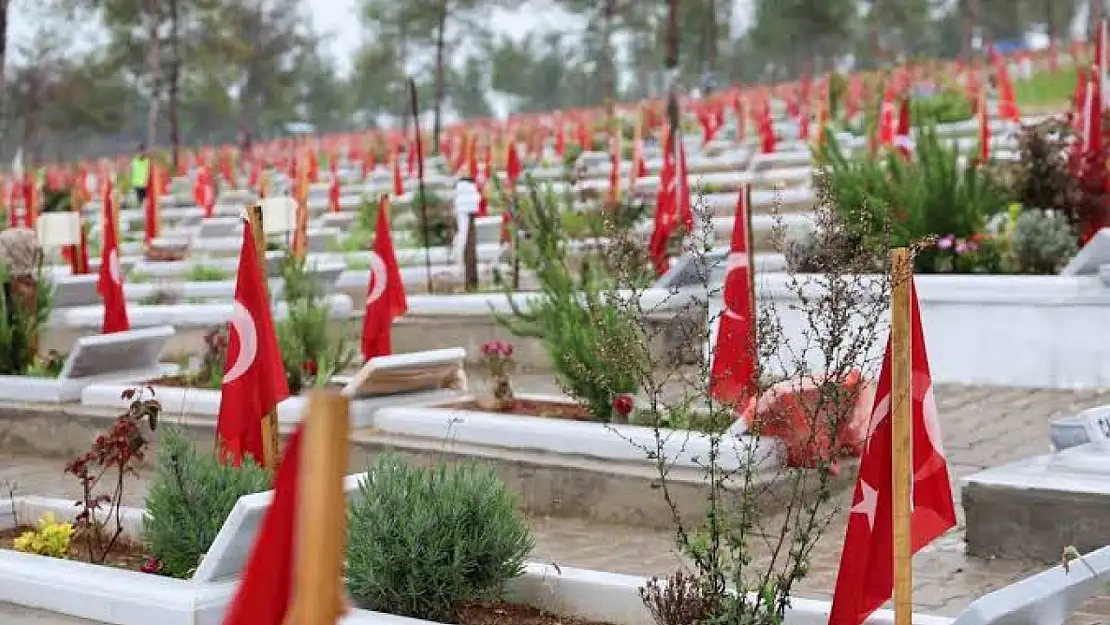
{"x":95,"y":359}
{"x":1033,"y":508}
{"x":1048,"y":597}
{"x":1093,"y":255}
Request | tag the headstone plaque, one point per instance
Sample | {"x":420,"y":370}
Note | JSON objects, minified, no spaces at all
{"x":407,"y":373}
{"x":77,"y":290}
{"x":227,"y":556}
{"x":116,"y":353}
{"x":214,"y":227}
{"x":690,"y":270}
{"x":1093,"y":255}
{"x":279,"y":215}
{"x":59,"y":229}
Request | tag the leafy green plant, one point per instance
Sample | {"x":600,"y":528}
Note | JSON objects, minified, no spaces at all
{"x":189,"y":499}
{"x":48,"y":366}
{"x":206,"y":273}
{"x":927,"y":196}
{"x":1042,"y":242}
{"x":424,"y":540}
{"x":25,"y":305}
{"x":49,"y":538}
{"x":585,"y":333}
{"x":310,"y":353}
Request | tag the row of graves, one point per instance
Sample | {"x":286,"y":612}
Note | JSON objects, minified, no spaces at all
{"x":222,"y":316}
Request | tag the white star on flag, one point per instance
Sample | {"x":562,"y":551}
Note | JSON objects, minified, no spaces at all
{"x":868,"y":503}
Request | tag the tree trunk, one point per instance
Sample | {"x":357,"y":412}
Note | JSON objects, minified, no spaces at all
{"x":175,"y":75}
{"x":610,"y":14}
{"x":711,"y":37}
{"x":4,"y":4}
{"x":441,"y":88}
{"x":671,"y":64}
{"x":154,"y":69}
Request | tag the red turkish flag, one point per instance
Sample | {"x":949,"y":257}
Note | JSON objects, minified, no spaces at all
{"x":984,"y":133}
{"x":151,"y":217}
{"x":110,"y":282}
{"x":766,"y":130}
{"x":886,"y":118}
{"x":513,"y":167}
{"x":733,"y":373}
{"x":903,"y":139}
{"x":385,"y":298}
{"x":665,"y":211}
{"x":254,"y":378}
{"x":204,"y":192}
{"x":1007,"y":104}
{"x":266,"y":590}
{"x":866,"y":577}
{"x":333,"y":189}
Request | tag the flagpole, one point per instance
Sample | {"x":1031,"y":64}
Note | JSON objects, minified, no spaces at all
{"x":270,"y":443}
{"x":420,"y":183}
{"x":321,"y":531}
{"x":901,"y":321}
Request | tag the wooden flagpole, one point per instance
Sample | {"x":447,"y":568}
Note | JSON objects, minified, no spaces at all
{"x":271,"y":445}
{"x":902,"y":431}
{"x":321,"y":532}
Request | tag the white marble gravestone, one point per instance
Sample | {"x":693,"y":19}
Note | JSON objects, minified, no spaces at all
{"x":77,"y":290}
{"x":227,"y":556}
{"x":1093,"y":255}
{"x":1048,"y":597}
{"x":98,"y":358}
{"x":407,"y":373}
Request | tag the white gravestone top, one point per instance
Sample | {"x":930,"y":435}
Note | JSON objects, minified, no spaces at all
{"x":117,"y":353}
{"x":407,"y":373}
{"x":227,"y":556}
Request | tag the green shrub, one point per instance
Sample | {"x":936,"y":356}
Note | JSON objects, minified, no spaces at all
{"x":189,"y":500}
{"x":588,"y":337}
{"x":928,"y":196}
{"x":422,"y":541}
{"x":310,"y":353}
{"x":1042,"y":242}
{"x":205,"y":273}
{"x":19,"y":326}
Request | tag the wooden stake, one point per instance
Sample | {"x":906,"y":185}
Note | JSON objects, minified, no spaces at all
{"x":271,"y":445}
{"x":470,"y":256}
{"x":902,"y":432}
{"x":321,"y":534}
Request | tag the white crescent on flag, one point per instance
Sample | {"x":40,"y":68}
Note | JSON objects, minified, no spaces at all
{"x":242,"y":324}
{"x":378,"y":276}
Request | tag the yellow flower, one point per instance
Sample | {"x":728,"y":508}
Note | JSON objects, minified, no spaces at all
{"x":49,"y":538}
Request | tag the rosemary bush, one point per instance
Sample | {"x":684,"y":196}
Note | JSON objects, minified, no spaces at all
{"x":20,"y":322}
{"x":310,"y":353}
{"x":189,"y":499}
{"x":424,"y":540}
{"x":1042,"y":242}
{"x":580,"y":324}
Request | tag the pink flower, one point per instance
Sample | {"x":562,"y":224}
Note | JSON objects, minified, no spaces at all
{"x":945,"y":243}
{"x":152,"y":565}
{"x":623,"y":405}
{"x":961,"y":247}
{"x":507,"y":350}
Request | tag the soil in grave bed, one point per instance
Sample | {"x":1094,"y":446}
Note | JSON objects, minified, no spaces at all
{"x":497,"y":613}
{"x":179,"y":381}
{"x":124,"y":555}
{"x":530,"y":408}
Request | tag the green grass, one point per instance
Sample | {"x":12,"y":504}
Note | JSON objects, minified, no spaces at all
{"x":1046,"y":90}
{"x":204,"y":273}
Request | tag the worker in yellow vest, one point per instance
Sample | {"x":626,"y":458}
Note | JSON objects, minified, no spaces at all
{"x":140,"y":173}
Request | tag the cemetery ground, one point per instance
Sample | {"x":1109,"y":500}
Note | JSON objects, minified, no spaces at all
{"x":983,"y":427}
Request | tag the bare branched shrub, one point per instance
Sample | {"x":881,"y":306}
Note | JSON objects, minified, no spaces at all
{"x":681,"y":599}
{"x":750,"y":538}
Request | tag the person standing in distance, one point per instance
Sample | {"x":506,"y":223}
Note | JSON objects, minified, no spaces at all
{"x":140,"y":173}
